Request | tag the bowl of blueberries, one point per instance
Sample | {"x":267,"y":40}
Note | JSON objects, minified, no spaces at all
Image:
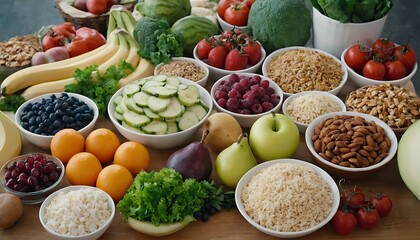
{"x":41,"y":117}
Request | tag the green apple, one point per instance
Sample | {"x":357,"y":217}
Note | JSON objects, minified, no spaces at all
{"x":274,"y":136}
{"x":234,"y":161}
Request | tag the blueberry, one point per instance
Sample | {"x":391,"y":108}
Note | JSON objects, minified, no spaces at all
{"x":49,"y":109}
{"x":56,"y":124}
{"x":32,"y":128}
{"x":32,"y":121}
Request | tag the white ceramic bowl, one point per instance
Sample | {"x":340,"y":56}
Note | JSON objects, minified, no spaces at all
{"x":270,"y":57}
{"x":162,"y":141}
{"x":44,"y":141}
{"x":348,"y":172}
{"x":251,"y":173}
{"x":91,"y":236}
{"x":302,"y":126}
{"x":201,"y":81}
{"x":227,"y":26}
{"x":216,"y":73}
{"x":362,"y":81}
{"x":246,"y":120}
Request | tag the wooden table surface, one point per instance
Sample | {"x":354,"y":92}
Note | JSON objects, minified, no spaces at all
{"x":402,"y":223}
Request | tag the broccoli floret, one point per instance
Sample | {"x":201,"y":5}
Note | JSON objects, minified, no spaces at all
{"x":280,"y":23}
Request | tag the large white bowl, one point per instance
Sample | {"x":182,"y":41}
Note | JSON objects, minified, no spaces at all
{"x":92,"y":236}
{"x":251,"y":173}
{"x":302,"y":126}
{"x":362,"y":81}
{"x":270,"y":57}
{"x":202,"y":82}
{"x":162,"y":141}
{"x":216,"y":73}
{"x":227,"y":26}
{"x":348,"y":172}
{"x":45,"y":141}
{"x":246,"y":120}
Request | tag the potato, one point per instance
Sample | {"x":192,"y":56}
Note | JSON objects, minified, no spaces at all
{"x":11,"y":209}
{"x":54,"y":54}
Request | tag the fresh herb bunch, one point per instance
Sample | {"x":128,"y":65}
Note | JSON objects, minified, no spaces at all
{"x":11,"y":102}
{"x":165,"y":197}
{"x":97,"y":87}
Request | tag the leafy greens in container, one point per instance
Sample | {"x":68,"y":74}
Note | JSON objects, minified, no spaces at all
{"x":353,"y":11}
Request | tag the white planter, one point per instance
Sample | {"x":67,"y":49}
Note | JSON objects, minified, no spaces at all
{"x":333,"y":37}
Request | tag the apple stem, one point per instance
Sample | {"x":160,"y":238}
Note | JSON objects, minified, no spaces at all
{"x":205,"y":134}
{"x":275,"y":121}
{"x":244,"y":134}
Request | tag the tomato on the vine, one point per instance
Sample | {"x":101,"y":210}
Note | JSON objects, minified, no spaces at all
{"x":217,"y":57}
{"x":383,"y":48}
{"x":203,"y":49}
{"x":367,"y":218}
{"x":394,"y":70}
{"x":382,"y":204}
{"x":374,"y":69}
{"x":235,"y":60}
{"x":356,"y":57}
{"x":253,"y":50}
{"x":344,"y":222}
{"x":406,"y":55}
{"x":86,"y":40}
{"x":237,"y":14}
{"x":66,"y":29}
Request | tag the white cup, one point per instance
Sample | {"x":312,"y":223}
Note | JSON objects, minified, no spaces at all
{"x":333,"y":37}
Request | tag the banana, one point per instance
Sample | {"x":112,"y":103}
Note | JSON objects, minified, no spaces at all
{"x":47,"y":87}
{"x":129,"y":20}
{"x":133,"y":57}
{"x":122,"y":18}
{"x":120,"y":54}
{"x":58,"y":70}
{"x":144,"y":69}
{"x":10,"y":139}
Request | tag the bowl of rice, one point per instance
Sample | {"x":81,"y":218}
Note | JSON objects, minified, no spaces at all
{"x":77,"y":212}
{"x":287,"y":198}
{"x":305,"y":106}
{"x":298,"y":69}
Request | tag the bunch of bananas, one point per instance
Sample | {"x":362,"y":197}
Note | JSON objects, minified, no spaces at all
{"x":53,"y":77}
{"x":10,"y":139}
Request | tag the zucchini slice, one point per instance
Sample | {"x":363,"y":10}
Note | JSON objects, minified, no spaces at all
{"x":135,"y":120}
{"x":131,"y":89}
{"x":172,"y":80}
{"x":198,"y":110}
{"x":156,"y":104}
{"x":173,"y":110}
{"x":140,"y":99}
{"x":187,"y":120}
{"x":189,"y":96}
{"x":132,"y":128}
{"x":160,"y":91}
{"x":150,"y":114}
{"x":117,"y":99}
{"x":159,"y":78}
{"x":118,"y":116}
{"x":155,"y":127}
{"x":132,"y":106}
{"x":172,"y":127}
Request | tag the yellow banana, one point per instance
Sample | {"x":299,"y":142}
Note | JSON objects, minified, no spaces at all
{"x":10,"y":139}
{"x":57,"y":70}
{"x":120,"y":54}
{"x":121,"y":17}
{"x":133,"y":57}
{"x":144,"y":69}
{"x":47,"y":87}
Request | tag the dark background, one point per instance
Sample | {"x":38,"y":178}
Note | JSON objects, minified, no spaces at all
{"x":20,"y":17}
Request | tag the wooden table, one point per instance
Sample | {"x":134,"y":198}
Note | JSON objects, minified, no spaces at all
{"x":402,"y":223}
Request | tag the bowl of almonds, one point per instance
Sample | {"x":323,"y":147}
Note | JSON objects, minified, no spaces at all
{"x":350,"y":145}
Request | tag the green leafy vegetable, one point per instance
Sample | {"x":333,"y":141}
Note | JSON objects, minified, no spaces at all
{"x":165,"y":197}
{"x":355,"y":11}
{"x":99,"y":88}
{"x":11,"y":103}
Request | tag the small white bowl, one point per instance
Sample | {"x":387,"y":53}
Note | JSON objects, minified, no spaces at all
{"x":216,"y":73}
{"x":270,"y":57}
{"x":302,"y":126}
{"x":246,"y":120}
{"x":202,"y":82}
{"x":91,"y":236}
{"x":348,"y":172}
{"x":227,"y":26}
{"x":362,"y":81}
{"x":44,"y":141}
{"x":251,"y":173}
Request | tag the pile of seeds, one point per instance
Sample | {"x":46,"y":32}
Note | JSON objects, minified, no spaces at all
{"x":18,"y":51}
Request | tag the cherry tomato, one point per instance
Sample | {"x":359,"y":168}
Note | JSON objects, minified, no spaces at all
{"x":374,"y":70}
{"x":352,"y":197}
{"x":249,"y":3}
{"x":394,"y":70}
{"x":217,"y":57}
{"x":381,"y":203}
{"x":237,"y":14}
{"x":383,"y":48}
{"x":367,"y":218}
{"x":50,"y":41}
{"x":97,"y":6}
{"x":66,"y":29}
{"x":203,"y":49}
{"x":223,"y":5}
{"x":406,"y":55}
{"x":235,"y":60}
{"x":86,"y":40}
{"x":253,"y":50}
{"x":344,"y":222}
{"x":356,"y":57}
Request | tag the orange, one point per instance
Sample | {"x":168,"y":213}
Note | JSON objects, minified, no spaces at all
{"x":83,"y":169}
{"x":132,"y":155}
{"x":65,"y":143}
{"x":102,"y":143}
{"x":114,"y":180}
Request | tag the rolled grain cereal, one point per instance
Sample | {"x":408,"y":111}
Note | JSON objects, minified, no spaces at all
{"x":181,"y":68}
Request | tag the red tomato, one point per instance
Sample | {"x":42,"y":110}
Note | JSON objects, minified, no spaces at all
{"x":394,"y":70}
{"x":253,"y":50}
{"x":406,"y":55}
{"x":344,"y":222}
{"x":354,"y":198}
{"x":66,"y":29}
{"x":223,"y":5}
{"x":86,"y":40}
{"x":249,"y":3}
{"x":203,"y":49}
{"x":97,"y":6}
{"x":235,"y":60}
{"x":77,"y":47}
{"x":217,"y":57}
{"x":356,"y":57}
{"x":50,"y":41}
{"x":383,"y":48}
{"x":367,"y":218}
{"x":374,"y":70}
{"x":381,"y":203}
{"x":237,"y":14}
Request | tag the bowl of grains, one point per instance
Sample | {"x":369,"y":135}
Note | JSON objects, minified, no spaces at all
{"x":188,"y":68}
{"x":350,"y":144}
{"x":77,"y":212}
{"x":395,"y":105}
{"x":305,"y":106}
{"x":298,"y":69}
{"x":287,"y":198}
